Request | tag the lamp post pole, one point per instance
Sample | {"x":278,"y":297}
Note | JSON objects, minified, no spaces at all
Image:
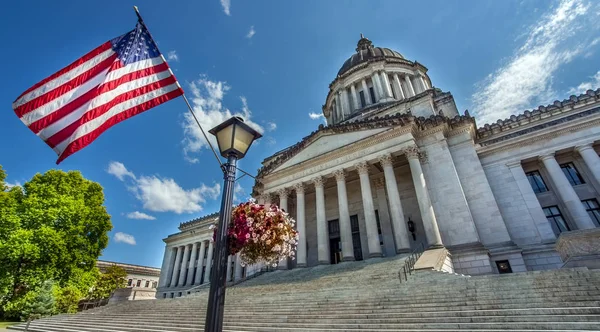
{"x":218,"y":277}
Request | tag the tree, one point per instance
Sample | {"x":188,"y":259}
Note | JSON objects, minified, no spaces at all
{"x":53,"y":228}
{"x":113,"y":278}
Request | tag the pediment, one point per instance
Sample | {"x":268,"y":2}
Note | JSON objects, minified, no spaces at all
{"x":328,"y":142}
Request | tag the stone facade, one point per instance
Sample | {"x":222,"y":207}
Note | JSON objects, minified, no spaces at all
{"x":398,"y":167}
{"x":407,"y":153}
{"x":142,"y":281}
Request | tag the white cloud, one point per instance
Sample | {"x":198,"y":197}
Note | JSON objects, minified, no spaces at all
{"x":14,"y":184}
{"x":270,"y":140}
{"x":251,"y":33}
{"x":226,"y":6}
{"x":207,"y":101}
{"x":118,"y":169}
{"x":172,"y":56}
{"x":316,"y":116}
{"x":124,"y":238}
{"x":593,"y":84}
{"x":271,"y":126}
{"x":140,"y":215}
{"x":160,"y":194}
{"x":238,"y":193}
{"x":165,"y":195}
{"x":526,"y":78}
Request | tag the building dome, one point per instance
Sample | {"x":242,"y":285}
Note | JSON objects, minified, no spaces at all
{"x":365,"y":52}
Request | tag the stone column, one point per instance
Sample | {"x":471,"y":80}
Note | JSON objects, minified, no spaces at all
{"x":540,"y":223}
{"x":198,"y":278}
{"x":409,"y":87}
{"x":398,"y":87}
{"x":350,"y":107}
{"x":366,"y":92}
{"x":176,"y":267}
{"x":592,"y":161}
{"x":322,"y":231}
{"x":300,"y":226}
{"x":238,"y":267}
{"x":423,"y":82}
{"x":345,"y":226}
{"x":396,"y":211}
{"x":338,"y":108}
{"x":386,"y":85}
{"x":355,"y":102}
{"x":209,"y":261}
{"x":369,"y":210}
{"x":566,"y":193}
{"x":283,"y":204}
{"x":376,"y":87}
{"x":186,"y":256}
{"x":164,"y":269}
{"x":432,"y":231}
{"x":190,"y":276}
{"x":229,"y":258}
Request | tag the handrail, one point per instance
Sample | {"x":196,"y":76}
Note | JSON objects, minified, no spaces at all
{"x":409,"y":263}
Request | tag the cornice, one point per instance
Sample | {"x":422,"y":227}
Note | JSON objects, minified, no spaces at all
{"x":530,"y":138}
{"x":491,"y":133}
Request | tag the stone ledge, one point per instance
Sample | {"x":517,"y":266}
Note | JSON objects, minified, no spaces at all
{"x":580,"y":246}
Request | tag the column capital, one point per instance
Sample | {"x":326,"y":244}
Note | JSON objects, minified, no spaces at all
{"x":340,"y":175}
{"x":514,"y":164}
{"x":546,"y":156}
{"x":362,"y":168}
{"x":583,"y":147}
{"x":318,"y":182}
{"x":283,"y":192}
{"x":299,"y":188}
{"x":412,"y":152}
{"x":386,"y":160}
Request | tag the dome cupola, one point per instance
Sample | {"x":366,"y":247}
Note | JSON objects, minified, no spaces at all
{"x":370,"y":78}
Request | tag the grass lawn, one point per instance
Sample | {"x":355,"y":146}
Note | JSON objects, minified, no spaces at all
{"x":5,"y":324}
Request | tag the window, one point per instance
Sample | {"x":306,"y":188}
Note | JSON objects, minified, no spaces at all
{"x":129,"y":282}
{"x":139,"y":282}
{"x":164,"y":295}
{"x":503,"y":267}
{"x":572,"y":174}
{"x":363,"y":101}
{"x":154,"y":284}
{"x":536,"y":182}
{"x":593,"y":209}
{"x":372,"y":93}
{"x":557,"y":222}
{"x":393,"y":91}
{"x":172,"y":295}
{"x":147,"y":283}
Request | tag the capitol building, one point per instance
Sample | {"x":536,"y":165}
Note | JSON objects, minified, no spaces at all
{"x":398,"y":168}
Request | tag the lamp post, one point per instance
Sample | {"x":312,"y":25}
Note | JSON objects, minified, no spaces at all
{"x":234,"y":138}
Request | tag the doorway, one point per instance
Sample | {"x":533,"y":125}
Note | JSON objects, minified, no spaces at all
{"x":335,"y":241}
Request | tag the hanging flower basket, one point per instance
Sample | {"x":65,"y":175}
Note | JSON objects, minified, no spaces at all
{"x":261,"y":234}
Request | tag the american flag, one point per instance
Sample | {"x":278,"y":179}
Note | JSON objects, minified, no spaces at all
{"x":119,"y":79}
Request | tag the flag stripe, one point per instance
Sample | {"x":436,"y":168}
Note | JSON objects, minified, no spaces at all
{"x":66,"y":74}
{"x":139,"y":65}
{"x":115,"y":97}
{"x":86,"y":139}
{"x":47,"y":126}
{"x":65,"y":93}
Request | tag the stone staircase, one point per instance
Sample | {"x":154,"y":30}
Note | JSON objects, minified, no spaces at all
{"x":366,"y":296}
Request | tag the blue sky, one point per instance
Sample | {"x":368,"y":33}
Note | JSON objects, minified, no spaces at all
{"x":272,"y":61}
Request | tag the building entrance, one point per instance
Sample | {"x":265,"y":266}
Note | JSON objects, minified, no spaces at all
{"x":335,"y":242}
